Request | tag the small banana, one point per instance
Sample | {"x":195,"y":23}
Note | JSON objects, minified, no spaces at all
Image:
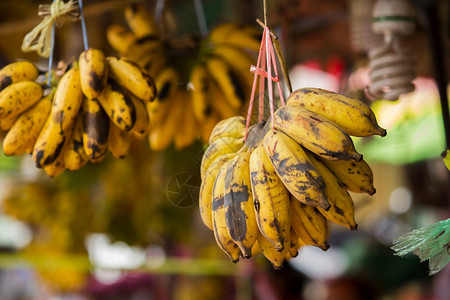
{"x":294,"y":245}
{"x":119,"y":141}
{"x":141,"y":125}
{"x":342,"y":210}
{"x":219,"y":102}
{"x":206,"y":188}
{"x":67,"y":100}
{"x":218,"y":148}
{"x":221,"y":234}
{"x":93,"y":72}
{"x":118,"y":106}
{"x":238,"y":59}
{"x":315,"y":133}
{"x":233,"y":127}
{"x":95,"y":130}
{"x":200,"y":81}
{"x":309,"y":224}
{"x":131,"y":77}
{"x":271,"y":200}
{"x":353,"y":116}
{"x":166,"y":84}
{"x":237,"y":34}
{"x":21,"y":137}
{"x":58,"y":165}
{"x":140,"y":21}
{"x":74,"y":156}
{"x":295,"y":169}
{"x":18,"y":97}
{"x":238,"y":201}
{"x":187,"y":131}
{"x":228,"y":81}
{"x":120,"y":38}
{"x":17,"y":71}
{"x":7,"y":123}
{"x":273,"y":255}
{"x":356,"y":177}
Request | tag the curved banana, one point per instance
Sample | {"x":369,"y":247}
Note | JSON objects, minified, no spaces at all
{"x":187,"y":131}
{"x":141,"y":125}
{"x":309,"y":224}
{"x":58,"y":165}
{"x":119,"y":141}
{"x":7,"y":123}
{"x":23,"y":134}
{"x":356,"y":177}
{"x":200,"y":81}
{"x":238,"y":59}
{"x":67,"y":100}
{"x":166,"y":83}
{"x":18,"y":97}
{"x":342,"y":210}
{"x":237,"y":34}
{"x":238,"y":201}
{"x":228,"y":81}
{"x":273,"y":255}
{"x":140,"y":20}
{"x":295,"y":169}
{"x":233,"y":127}
{"x":93,"y":72}
{"x":95,"y":130}
{"x":120,"y":38}
{"x":294,"y":245}
{"x":219,"y":102}
{"x":131,"y":77}
{"x":17,"y":71}
{"x":221,"y":234}
{"x":270,"y":199}
{"x":118,"y":106}
{"x":74,"y":156}
{"x":206,"y":189}
{"x":218,"y":148}
{"x":315,"y":133}
{"x":206,"y":127}
{"x":353,"y":116}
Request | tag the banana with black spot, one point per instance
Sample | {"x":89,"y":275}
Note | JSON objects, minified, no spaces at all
{"x":74,"y":156}
{"x":200,"y":81}
{"x":119,"y":141}
{"x":16,"y":72}
{"x":95,"y":130}
{"x":233,"y":127}
{"x":120,"y":38}
{"x":273,"y":255}
{"x":141,"y":125}
{"x":93,"y":72}
{"x":140,"y":21}
{"x":18,"y":97}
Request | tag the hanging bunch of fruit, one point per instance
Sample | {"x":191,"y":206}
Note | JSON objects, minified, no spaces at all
{"x":96,"y":105}
{"x":199,"y":81}
{"x":276,"y":186}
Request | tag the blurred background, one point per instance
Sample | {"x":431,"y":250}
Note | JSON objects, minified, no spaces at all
{"x":130,"y":229}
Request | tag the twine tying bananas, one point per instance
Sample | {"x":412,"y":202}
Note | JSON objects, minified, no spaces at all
{"x":56,"y":13}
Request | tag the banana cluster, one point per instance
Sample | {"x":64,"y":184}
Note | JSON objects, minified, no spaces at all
{"x":199,"y":81}
{"x":98,"y":104}
{"x":278,"y":190}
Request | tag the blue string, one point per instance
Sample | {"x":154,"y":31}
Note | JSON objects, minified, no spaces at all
{"x":83,"y":25}
{"x":50,"y":59}
{"x":201,"y":17}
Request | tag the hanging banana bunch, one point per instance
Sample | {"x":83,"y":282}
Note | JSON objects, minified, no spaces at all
{"x":274,"y":186}
{"x":199,"y":82}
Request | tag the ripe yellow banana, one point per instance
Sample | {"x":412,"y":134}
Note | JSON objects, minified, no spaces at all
{"x":131,"y":77}
{"x":93,"y":72}
{"x":219,"y":102}
{"x":295,"y":169}
{"x":23,"y":134}
{"x":221,"y":234}
{"x":206,"y":127}
{"x":119,"y":141}
{"x":50,"y":143}
{"x":17,"y":71}
{"x":353,"y":116}
{"x":233,"y":127}
{"x":67,"y":100}
{"x":206,"y":189}
{"x":218,"y":148}
{"x":18,"y":97}
{"x":271,"y":200}
{"x":268,"y":250}
{"x":356,"y":177}
{"x":7,"y":123}
{"x":294,"y":245}
{"x":155,"y":62}
{"x":238,"y":201}
{"x":118,"y":106}
{"x":144,"y":51}
{"x":236,"y":34}
{"x":315,"y":133}
{"x":95,"y":130}
{"x":140,"y":20}
{"x":228,"y":81}
{"x":309,"y":224}
{"x":58,"y":165}
{"x":120,"y":38}
{"x":342,"y":210}
{"x":166,"y":84}
{"x":239,"y":60}
{"x":74,"y":156}
{"x":188,"y":128}
{"x":141,"y":126}
{"x":200,"y":81}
